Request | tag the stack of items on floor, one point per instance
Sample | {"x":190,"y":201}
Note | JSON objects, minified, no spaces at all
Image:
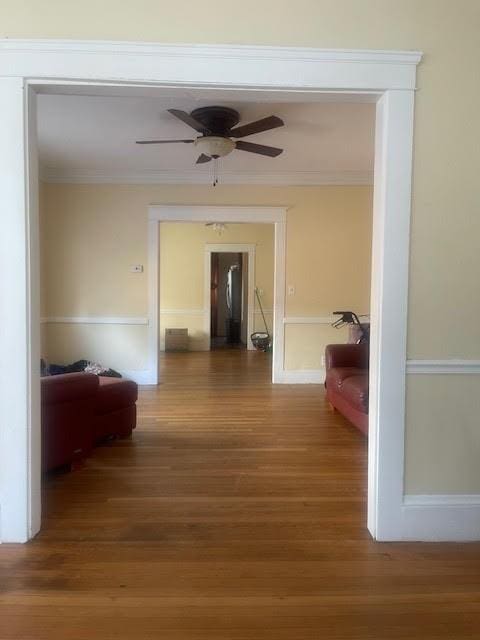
{"x":80,"y":410}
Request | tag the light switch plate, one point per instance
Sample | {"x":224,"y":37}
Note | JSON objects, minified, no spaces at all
{"x":136,"y":268}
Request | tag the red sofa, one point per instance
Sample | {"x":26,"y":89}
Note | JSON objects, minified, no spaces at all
{"x":79,"y":410}
{"x":346,"y":381}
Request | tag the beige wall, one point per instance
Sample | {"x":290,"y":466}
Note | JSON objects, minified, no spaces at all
{"x":449,"y":461}
{"x":182,"y":273}
{"x":444,"y":304}
{"x":91,"y":234}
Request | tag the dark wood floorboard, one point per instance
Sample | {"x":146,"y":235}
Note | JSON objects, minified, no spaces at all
{"x":236,"y":512}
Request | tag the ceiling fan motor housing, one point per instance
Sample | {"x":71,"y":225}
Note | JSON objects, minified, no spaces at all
{"x":217,"y":120}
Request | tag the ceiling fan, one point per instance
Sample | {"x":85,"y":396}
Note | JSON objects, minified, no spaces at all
{"x":217,"y":126}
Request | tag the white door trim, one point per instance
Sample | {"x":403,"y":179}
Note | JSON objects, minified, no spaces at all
{"x":20,"y":444}
{"x":230,"y":248}
{"x":158,"y":213}
{"x":263,"y":73}
{"x":209,"y":66}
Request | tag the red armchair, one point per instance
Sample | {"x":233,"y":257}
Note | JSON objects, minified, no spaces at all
{"x":116,"y":409}
{"x":346,"y":381}
{"x":79,"y":409}
{"x":68,"y":404}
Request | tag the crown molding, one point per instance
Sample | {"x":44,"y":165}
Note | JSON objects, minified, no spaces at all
{"x":291,"y":178}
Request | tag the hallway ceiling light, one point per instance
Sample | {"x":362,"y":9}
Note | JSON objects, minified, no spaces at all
{"x":218,"y":227}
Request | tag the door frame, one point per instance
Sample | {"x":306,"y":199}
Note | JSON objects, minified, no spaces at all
{"x":158,"y":213}
{"x":267,"y":73}
{"x":225,"y":247}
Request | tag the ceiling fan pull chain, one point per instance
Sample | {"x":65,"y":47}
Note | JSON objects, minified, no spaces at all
{"x":215,"y":172}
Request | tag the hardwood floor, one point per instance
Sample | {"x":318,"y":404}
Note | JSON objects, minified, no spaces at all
{"x":236,"y":512}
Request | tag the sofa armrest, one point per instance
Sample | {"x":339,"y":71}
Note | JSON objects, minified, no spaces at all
{"x":68,"y":387}
{"x":346,"y":355}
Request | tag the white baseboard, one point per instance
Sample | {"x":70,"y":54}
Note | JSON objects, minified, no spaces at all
{"x":140,"y":376}
{"x":300,"y":376}
{"x":437,"y":518}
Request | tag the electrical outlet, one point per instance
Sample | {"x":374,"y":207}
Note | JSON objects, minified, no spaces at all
{"x":291,"y":290}
{"x":323,"y":361}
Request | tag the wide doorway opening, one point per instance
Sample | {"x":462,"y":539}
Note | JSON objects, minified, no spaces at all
{"x":363,"y":77}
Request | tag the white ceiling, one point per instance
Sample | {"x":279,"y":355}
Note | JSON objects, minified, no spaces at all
{"x":87,"y":138}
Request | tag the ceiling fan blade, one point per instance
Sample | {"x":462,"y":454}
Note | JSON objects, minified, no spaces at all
{"x":202,"y":158}
{"x":187,"y":119}
{"x":261,"y":149}
{"x":265,"y":124}
{"x":161,"y":141}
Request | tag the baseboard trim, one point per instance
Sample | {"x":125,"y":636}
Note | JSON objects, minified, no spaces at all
{"x":440,"y":518}
{"x":300,"y":376}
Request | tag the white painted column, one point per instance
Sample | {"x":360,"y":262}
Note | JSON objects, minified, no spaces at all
{"x":20,"y":320}
{"x":278,"y":356}
{"x":390,"y":260}
{"x":153,"y":301}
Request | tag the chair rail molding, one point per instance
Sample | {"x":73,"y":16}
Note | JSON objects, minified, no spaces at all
{"x":94,"y":320}
{"x":436,"y":367}
{"x":308,"y":320}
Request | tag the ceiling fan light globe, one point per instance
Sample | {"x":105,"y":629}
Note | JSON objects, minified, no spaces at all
{"x":215,"y":146}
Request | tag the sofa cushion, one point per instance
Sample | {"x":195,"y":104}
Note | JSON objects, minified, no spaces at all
{"x":346,"y":355}
{"x":67,"y":388}
{"x":115,"y":394}
{"x":335,"y":377}
{"x":68,"y":405}
{"x":355,"y":391}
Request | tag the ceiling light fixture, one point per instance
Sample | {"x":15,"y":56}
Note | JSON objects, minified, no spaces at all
{"x":218,"y":227}
{"x":214,"y":147}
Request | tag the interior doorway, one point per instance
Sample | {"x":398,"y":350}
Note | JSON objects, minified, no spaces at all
{"x":228,"y":300}
{"x":230,"y":288}
{"x":388,"y":78}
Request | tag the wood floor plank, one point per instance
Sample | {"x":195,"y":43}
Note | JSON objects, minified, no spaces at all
{"x":236,"y":511}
